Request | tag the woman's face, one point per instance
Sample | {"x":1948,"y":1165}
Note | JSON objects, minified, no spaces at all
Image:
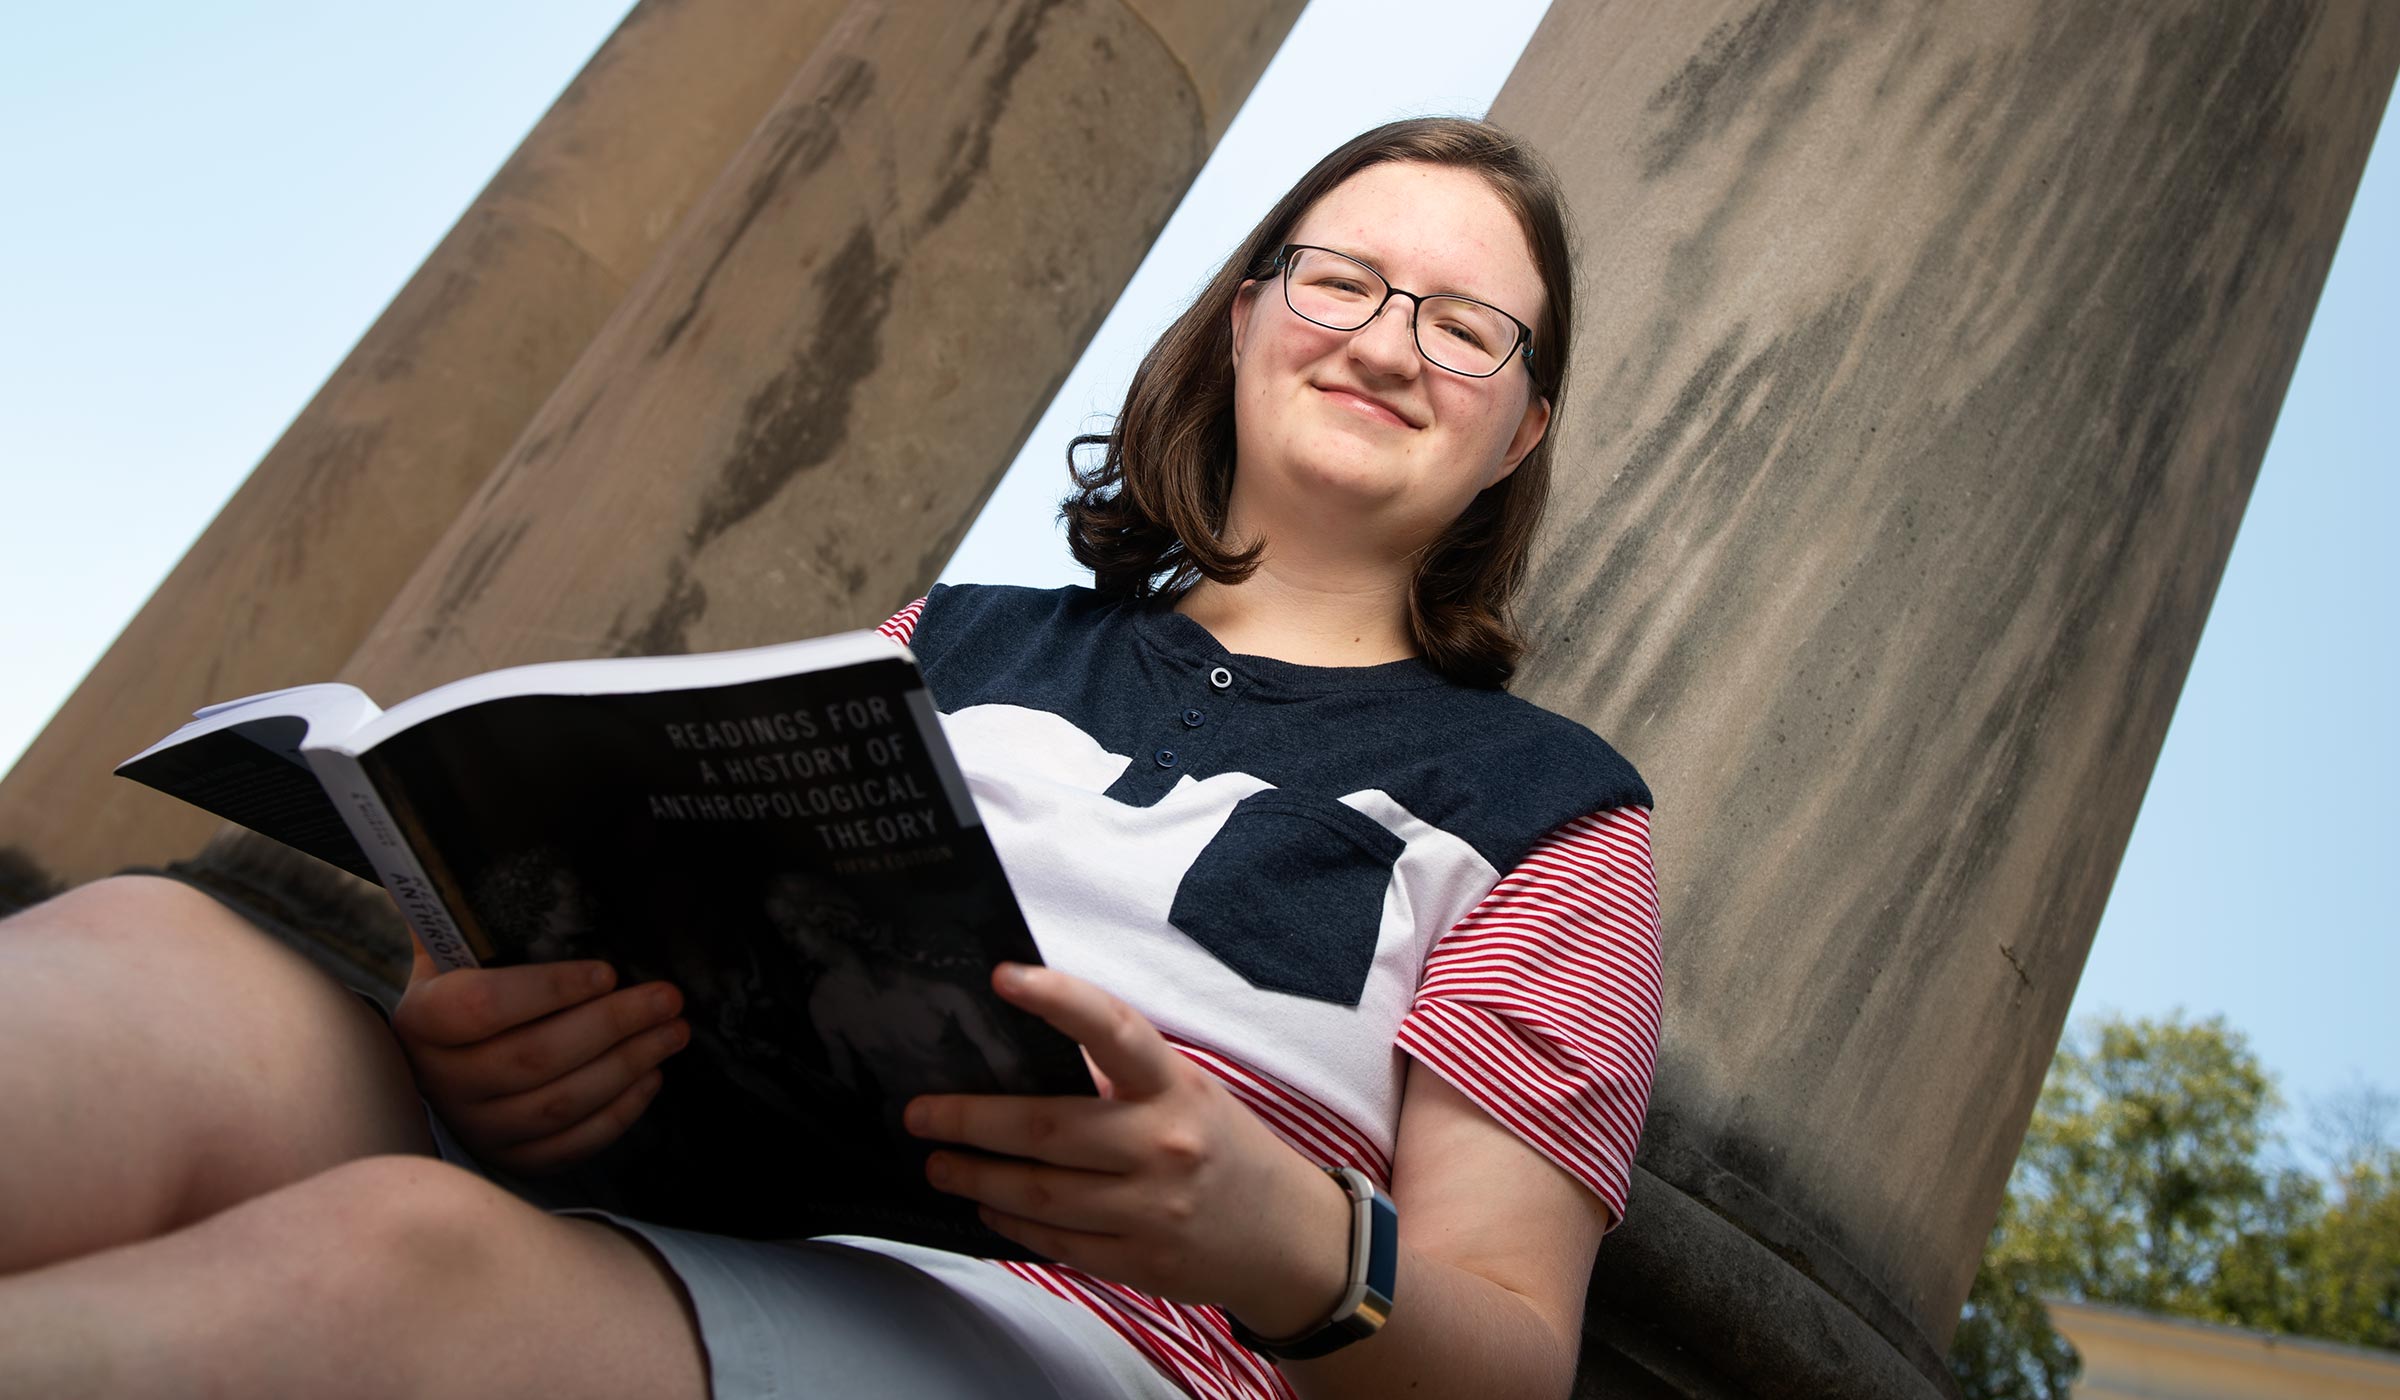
{"x":1352,"y":436}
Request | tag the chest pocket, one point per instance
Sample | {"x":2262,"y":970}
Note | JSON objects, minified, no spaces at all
{"x":1290,"y":894}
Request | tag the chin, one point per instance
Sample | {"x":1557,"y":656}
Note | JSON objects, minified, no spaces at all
{"x":1359,"y":478}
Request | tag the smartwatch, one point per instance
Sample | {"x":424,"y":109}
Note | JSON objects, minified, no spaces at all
{"x":1366,"y":1304}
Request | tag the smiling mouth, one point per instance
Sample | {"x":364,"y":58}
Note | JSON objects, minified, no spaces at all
{"x":1367,"y":407}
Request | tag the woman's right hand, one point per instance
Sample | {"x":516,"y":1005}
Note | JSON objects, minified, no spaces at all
{"x":539,"y":1066}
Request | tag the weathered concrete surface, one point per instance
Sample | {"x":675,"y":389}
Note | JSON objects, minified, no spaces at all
{"x":799,"y":410}
{"x":341,"y":511}
{"x":1928,"y":354}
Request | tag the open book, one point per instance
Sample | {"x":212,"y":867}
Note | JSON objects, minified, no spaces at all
{"x":781,"y":832}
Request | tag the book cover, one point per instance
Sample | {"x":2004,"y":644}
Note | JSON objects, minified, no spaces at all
{"x":796,"y":852}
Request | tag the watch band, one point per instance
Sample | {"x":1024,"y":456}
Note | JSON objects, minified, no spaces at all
{"x":1366,"y":1303}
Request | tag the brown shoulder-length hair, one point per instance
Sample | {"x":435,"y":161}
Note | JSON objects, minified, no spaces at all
{"x":1147,"y":517}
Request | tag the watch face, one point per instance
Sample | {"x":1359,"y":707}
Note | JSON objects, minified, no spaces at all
{"x":1383,"y":1260}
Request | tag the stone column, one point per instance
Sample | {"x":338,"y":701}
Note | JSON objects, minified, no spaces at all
{"x":803,"y":402}
{"x":798,"y":411}
{"x":282,"y":586}
{"x":1926,"y":359}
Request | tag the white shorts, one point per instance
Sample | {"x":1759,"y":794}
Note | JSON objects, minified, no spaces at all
{"x":845,"y":1316}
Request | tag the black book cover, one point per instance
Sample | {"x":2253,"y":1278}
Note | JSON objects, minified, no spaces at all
{"x":796,"y":857}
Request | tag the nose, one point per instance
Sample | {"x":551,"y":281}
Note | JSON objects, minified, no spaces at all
{"x":1388,"y":344}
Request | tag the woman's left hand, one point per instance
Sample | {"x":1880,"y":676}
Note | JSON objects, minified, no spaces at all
{"x":1164,"y":1183}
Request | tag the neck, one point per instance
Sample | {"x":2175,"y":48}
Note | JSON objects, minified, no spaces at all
{"x":1309,"y":616}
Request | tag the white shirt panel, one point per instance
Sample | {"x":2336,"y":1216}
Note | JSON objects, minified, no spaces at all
{"x":1041,"y":782}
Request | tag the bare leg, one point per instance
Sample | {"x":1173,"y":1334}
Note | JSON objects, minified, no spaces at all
{"x":393,"y":1276}
{"x":161,"y":1059}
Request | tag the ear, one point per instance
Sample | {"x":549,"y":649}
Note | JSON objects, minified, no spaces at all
{"x":1530,"y":429}
{"x":1245,"y":297}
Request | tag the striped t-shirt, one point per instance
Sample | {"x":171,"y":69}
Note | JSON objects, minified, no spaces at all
{"x":1303,"y":875}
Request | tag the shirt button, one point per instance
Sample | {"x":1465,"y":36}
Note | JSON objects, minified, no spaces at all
{"x":1221,"y":678}
{"x":1166,"y":758}
{"x":1193,"y":719}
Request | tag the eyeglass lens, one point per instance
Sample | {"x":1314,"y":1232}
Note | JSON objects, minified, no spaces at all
{"x":1343,"y":294}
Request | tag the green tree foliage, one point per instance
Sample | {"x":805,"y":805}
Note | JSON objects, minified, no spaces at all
{"x":2005,"y":1347}
{"x":2355,"y":1282}
{"x":2321,"y":1258}
{"x":2142,"y":1159}
{"x":2147,"y":1180}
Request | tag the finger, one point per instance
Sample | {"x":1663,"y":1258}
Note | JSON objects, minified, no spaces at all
{"x":1075,"y":1248}
{"x":470,"y":1004}
{"x":1128,"y":1259}
{"x":565,"y":1149}
{"x":1095,"y":1203}
{"x":546,"y":1050}
{"x":556,"y":1106}
{"x":1092,"y":1134}
{"x":1135,"y":1059}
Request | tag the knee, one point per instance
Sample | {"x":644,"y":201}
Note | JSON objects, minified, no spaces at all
{"x":401,"y":1201}
{"x":355,"y":1266}
{"x":134,"y":912}
{"x":404,"y":1225}
{"x":189,"y":974}
{"x":116,"y":902}
{"x":163,"y":955}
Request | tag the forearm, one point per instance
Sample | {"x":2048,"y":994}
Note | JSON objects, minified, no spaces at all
{"x":1170,"y":1186}
{"x":1452,"y":1332}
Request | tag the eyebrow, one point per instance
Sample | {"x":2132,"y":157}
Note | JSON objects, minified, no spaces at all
{"x":1377,"y":265}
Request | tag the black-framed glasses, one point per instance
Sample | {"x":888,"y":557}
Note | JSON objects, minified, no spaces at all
{"x":1337,"y":291}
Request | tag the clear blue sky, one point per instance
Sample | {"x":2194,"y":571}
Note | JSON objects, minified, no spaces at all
{"x":209,"y":203}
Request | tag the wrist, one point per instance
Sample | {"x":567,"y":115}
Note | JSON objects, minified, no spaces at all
{"x":1314,"y":1269}
{"x":1372,"y":1279}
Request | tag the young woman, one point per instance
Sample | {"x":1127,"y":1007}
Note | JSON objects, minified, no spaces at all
{"x":1314,"y":893}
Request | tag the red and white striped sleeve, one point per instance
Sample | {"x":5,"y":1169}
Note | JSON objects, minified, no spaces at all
{"x":902,"y":625}
{"x":1542,"y":1004}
